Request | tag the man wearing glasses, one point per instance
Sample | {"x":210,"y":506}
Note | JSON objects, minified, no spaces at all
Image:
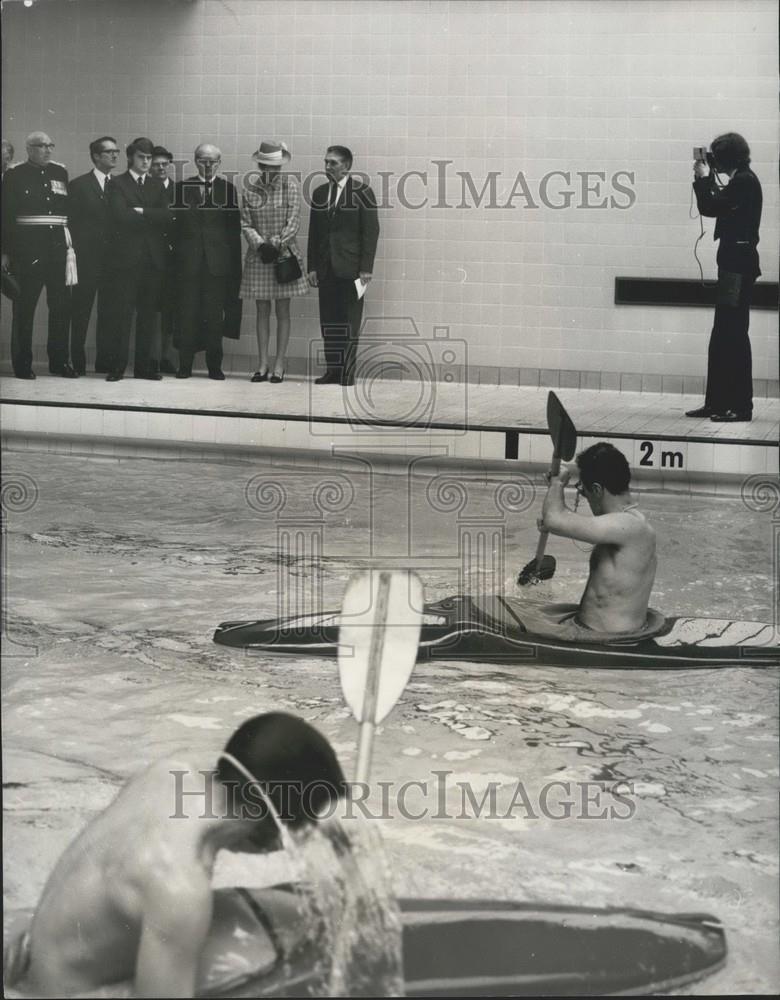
{"x":89,"y":224}
{"x":623,"y":559}
{"x":34,"y":220}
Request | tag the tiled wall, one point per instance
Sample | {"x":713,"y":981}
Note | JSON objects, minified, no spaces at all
{"x":511,"y":87}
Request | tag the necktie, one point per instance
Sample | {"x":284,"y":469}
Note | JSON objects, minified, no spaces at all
{"x":207,"y":200}
{"x":141,"y":182}
{"x":334,"y":189}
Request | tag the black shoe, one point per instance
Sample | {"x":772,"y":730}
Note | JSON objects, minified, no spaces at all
{"x":329,"y":378}
{"x":732,"y":417}
{"x":150,"y":376}
{"x":114,"y":377}
{"x":348,"y":380}
{"x":65,"y":371}
{"x":183,"y":373}
{"x":218,"y":375}
{"x":29,"y":376}
{"x":276,"y":379}
{"x":166,"y":367}
{"x":260,"y":376}
{"x":701,"y":411}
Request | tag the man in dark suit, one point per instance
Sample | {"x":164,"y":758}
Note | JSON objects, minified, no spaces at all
{"x":737,"y":208}
{"x":207,"y":254}
{"x":34,"y":237}
{"x":140,"y":217}
{"x":343,"y":234}
{"x":164,"y":351}
{"x":90,"y":229}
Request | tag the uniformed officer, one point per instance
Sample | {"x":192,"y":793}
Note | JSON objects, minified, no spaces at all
{"x":34,"y":217}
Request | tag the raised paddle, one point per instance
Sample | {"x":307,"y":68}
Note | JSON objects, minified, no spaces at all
{"x":564,"y":438}
{"x":379,"y":633}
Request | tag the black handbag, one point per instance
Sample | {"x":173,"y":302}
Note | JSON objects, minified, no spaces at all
{"x":288,"y":269}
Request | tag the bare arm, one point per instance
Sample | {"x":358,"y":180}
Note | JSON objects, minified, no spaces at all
{"x":176,"y":923}
{"x":606,"y":529}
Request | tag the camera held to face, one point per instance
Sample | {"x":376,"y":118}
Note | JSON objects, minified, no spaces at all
{"x":703,"y":155}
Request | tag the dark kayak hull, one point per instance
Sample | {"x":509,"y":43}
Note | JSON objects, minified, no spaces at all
{"x":491,"y":630}
{"x":486,"y":948}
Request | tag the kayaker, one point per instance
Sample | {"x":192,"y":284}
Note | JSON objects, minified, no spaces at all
{"x":131,"y":898}
{"x":623,"y":560}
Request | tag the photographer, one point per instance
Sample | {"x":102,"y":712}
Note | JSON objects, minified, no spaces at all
{"x":737,"y":208}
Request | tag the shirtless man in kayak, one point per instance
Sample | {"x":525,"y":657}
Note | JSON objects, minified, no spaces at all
{"x":623,"y":560}
{"x":131,"y":898}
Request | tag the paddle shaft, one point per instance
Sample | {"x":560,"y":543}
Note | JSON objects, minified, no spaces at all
{"x":367,"y":724}
{"x":555,"y":468}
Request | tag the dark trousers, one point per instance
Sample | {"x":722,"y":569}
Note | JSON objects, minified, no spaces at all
{"x":730,"y":362}
{"x":92,"y":282}
{"x":341,"y":313}
{"x":168,"y":306}
{"x":201,"y":298}
{"x":46,"y":269}
{"x":133,"y":291}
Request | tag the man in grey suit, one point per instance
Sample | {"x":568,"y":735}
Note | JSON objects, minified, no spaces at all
{"x":343,"y":235}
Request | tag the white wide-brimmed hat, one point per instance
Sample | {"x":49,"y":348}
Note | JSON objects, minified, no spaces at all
{"x":269,"y":154}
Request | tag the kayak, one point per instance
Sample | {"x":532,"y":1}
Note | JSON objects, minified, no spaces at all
{"x":469,"y":948}
{"x":258,"y":946}
{"x":491,"y":630}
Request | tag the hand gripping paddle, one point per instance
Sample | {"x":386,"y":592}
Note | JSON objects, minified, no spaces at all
{"x":381,"y":619}
{"x":564,"y":438}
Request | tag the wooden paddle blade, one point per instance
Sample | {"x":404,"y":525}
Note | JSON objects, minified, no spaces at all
{"x":536,"y":571}
{"x":562,"y":430}
{"x":381,"y":620}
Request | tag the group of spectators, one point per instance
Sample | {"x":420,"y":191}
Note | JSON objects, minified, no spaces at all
{"x":167,"y":253}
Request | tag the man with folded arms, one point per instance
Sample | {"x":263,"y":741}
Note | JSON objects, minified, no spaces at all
{"x":34,"y":237}
{"x":138,"y":207}
{"x":90,"y":229}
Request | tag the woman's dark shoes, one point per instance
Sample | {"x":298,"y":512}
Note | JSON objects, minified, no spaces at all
{"x":114,"y":377}
{"x":732,"y":417}
{"x":260,"y":376}
{"x":276,"y":379}
{"x":701,"y":411}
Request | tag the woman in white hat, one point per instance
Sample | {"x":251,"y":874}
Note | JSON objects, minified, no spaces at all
{"x":270,"y":217}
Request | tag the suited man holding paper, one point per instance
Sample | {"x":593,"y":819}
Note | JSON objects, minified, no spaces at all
{"x":343,"y":237}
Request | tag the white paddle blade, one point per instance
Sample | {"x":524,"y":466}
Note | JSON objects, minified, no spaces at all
{"x":381,"y":620}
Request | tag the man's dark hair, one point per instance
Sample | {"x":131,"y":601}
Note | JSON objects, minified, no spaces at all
{"x":603,"y":463}
{"x":162,"y":151}
{"x":295,"y":766}
{"x":730,"y":151}
{"x":342,"y":152}
{"x":141,"y":145}
{"x":96,"y":146}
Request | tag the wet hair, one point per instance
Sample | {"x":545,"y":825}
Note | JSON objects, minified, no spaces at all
{"x":162,"y":151}
{"x":294,"y":766}
{"x":96,"y":146}
{"x":603,"y":463}
{"x":141,"y":145}
{"x":342,"y":152}
{"x":730,"y":151}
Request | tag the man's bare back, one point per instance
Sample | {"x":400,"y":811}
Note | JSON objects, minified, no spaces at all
{"x":87,"y":928}
{"x":623,"y":561}
{"x":131,"y":898}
